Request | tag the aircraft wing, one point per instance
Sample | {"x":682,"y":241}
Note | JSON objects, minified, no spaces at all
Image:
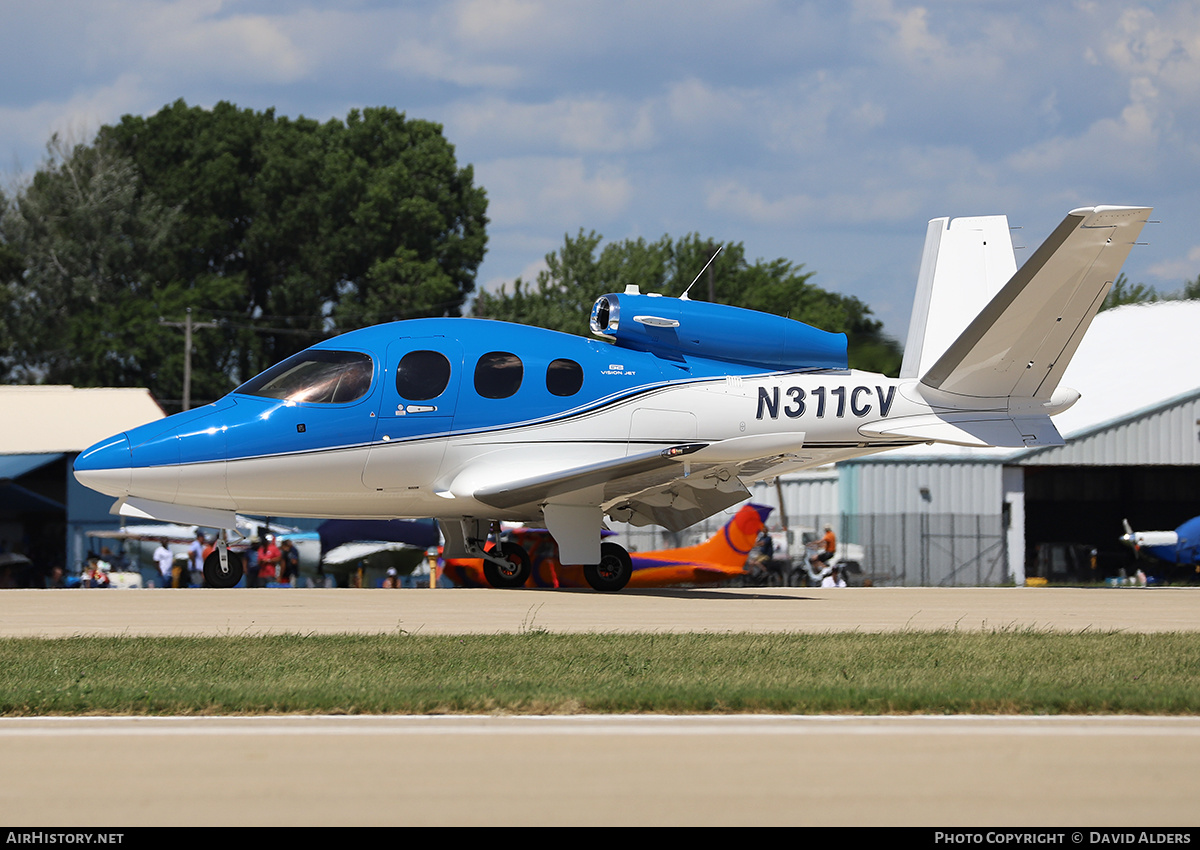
{"x":674,"y":487}
{"x":508,"y":493}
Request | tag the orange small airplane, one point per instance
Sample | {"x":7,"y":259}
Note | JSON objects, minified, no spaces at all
{"x":720,"y":558}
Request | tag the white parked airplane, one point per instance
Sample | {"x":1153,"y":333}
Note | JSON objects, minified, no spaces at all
{"x":664,"y":420}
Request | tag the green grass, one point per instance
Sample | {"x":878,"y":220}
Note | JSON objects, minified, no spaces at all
{"x":1001,"y":672}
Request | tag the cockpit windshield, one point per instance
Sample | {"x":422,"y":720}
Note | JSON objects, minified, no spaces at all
{"x":315,"y":376}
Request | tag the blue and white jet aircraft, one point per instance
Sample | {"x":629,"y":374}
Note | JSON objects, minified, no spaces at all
{"x":663,"y":420}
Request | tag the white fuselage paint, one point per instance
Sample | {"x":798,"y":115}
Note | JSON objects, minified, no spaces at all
{"x":435,"y":476}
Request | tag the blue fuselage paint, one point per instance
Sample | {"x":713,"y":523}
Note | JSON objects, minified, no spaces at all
{"x":244,"y":426}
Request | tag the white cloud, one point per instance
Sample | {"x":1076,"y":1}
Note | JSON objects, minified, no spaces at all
{"x":437,"y":62}
{"x":75,"y":119}
{"x":563,"y":193}
{"x":193,"y":39}
{"x":1163,"y":45}
{"x":887,"y":204}
{"x":574,"y":125}
{"x":1179,"y":268}
{"x":762,"y":121}
{"x":491,"y":21}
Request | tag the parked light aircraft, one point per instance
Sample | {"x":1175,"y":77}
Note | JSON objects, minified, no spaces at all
{"x":138,"y":542}
{"x":1180,"y":547}
{"x":664,"y":420}
{"x":332,"y":548}
{"x":720,"y":558}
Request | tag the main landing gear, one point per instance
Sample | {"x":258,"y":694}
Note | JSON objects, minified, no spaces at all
{"x":613,"y":571}
{"x":507,"y":565}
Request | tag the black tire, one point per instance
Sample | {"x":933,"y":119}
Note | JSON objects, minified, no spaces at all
{"x":214,"y":576}
{"x":613,"y":571}
{"x":515,"y":569}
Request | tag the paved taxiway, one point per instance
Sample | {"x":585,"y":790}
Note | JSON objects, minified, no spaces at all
{"x":932,"y":771}
{"x":465,"y":611}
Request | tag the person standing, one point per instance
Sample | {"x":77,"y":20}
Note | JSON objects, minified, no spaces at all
{"x":289,"y":563}
{"x":162,"y":559}
{"x":196,"y":559}
{"x":268,"y":560}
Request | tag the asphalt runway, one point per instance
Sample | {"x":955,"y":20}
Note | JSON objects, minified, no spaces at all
{"x":931,"y":772}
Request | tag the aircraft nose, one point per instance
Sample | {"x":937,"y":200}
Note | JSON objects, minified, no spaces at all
{"x":107,"y":466}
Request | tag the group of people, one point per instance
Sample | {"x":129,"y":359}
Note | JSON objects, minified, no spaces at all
{"x":269,"y":563}
{"x":820,"y":571}
{"x":273,"y":564}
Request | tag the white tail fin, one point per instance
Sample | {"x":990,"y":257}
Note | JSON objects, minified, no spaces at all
{"x":996,"y":383}
{"x":1018,"y":346}
{"x":965,"y":263}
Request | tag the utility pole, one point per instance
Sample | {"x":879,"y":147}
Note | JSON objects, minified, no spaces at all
{"x":187,"y":324}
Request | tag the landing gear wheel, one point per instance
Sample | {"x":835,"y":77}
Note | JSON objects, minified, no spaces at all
{"x":510,"y":569}
{"x":613,"y":571}
{"x":214,"y":576}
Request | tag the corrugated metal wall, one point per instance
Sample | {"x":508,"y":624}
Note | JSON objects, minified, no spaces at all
{"x":900,"y":487}
{"x":1163,"y":436}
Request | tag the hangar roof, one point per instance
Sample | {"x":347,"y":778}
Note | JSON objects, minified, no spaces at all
{"x":47,"y":419}
{"x":1132,"y":361}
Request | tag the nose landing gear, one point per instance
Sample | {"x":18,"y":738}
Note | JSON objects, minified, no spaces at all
{"x":222,"y":568}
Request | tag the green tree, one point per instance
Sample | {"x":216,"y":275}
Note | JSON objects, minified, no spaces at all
{"x":562,"y":295}
{"x":1123,"y":292}
{"x":282,"y":231}
{"x":82,"y":308}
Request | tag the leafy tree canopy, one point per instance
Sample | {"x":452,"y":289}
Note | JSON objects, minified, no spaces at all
{"x":1123,"y":292}
{"x":280,"y":231}
{"x":580,"y":272}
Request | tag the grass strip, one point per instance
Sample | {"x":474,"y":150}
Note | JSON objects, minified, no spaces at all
{"x":1001,"y":672}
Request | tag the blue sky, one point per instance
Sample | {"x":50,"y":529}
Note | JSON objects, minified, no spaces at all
{"x":827,"y":133}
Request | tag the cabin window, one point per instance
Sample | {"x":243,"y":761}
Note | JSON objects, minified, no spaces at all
{"x":422,"y":375}
{"x":315,"y":376}
{"x":498,"y":374}
{"x":564,"y":377}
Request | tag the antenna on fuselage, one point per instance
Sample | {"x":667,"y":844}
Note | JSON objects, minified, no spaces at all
{"x":684,"y":297}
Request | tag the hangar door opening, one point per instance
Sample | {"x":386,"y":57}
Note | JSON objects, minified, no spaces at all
{"x":1072,"y":510}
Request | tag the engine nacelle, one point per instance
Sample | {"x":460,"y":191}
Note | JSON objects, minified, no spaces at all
{"x":674,"y":328}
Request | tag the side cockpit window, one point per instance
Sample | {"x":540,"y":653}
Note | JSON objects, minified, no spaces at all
{"x":315,"y":377}
{"x":498,"y":374}
{"x":564,"y":377}
{"x":422,"y":375}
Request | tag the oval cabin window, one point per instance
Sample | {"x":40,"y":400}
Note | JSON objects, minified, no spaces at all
{"x":422,"y":375}
{"x":564,"y":377}
{"x":498,"y":374}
